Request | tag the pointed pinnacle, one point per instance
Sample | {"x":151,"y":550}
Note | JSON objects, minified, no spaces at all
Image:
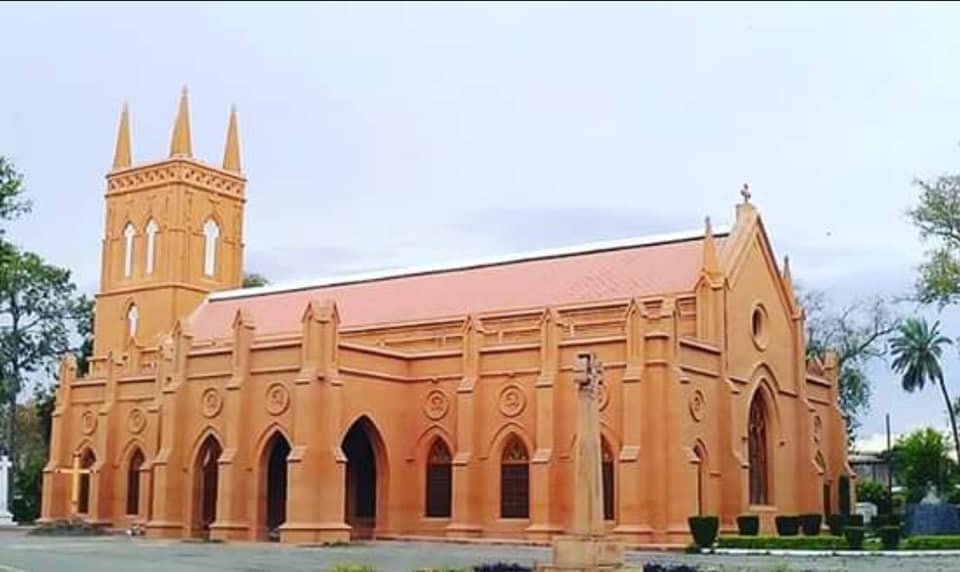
{"x":121,"y":155}
{"x":180,"y":142}
{"x":710,"y":263}
{"x":231,"y":150}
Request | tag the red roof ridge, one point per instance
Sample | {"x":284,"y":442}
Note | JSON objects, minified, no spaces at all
{"x":404,"y":272}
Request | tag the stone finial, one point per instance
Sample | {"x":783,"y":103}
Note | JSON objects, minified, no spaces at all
{"x":180,"y":142}
{"x":710,"y":264}
{"x":121,"y":155}
{"x":231,"y":150}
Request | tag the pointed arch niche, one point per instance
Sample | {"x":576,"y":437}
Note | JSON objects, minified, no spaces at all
{"x":439,"y":480}
{"x":128,"y":234}
{"x":211,"y":240}
{"x":151,"y":231}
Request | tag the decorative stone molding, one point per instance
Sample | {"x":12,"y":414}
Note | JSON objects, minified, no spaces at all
{"x":136,"y":421}
{"x":698,"y":405}
{"x":88,"y":422}
{"x":436,"y":405}
{"x":211,"y":403}
{"x":278,"y":399}
{"x":512,"y":400}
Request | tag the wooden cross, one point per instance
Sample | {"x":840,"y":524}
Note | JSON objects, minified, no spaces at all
{"x":75,"y":473}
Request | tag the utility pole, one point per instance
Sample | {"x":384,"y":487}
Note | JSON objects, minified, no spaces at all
{"x":889,"y":467}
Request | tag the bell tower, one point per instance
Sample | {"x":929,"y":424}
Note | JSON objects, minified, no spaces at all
{"x":173,"y":234}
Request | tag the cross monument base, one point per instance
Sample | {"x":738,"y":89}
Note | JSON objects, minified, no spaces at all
{"x":582,"y":553}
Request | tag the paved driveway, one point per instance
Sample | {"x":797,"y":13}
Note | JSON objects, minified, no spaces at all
{"x":121,"y":554}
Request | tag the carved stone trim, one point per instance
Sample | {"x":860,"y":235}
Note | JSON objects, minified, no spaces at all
{"x":211,"y":402}
{"x":88,"y":422}
{"x":278,"y":398}
{"x":436,"y":405}
{"x":512,"y":400}
{"x":698,"y":405}
{"x":136,"y":421}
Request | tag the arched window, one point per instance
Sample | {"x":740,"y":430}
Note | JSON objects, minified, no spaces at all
{"x":87,"y":460}
{"x":133,"y":315}
{"x":151,"y":231}
{"x":211,"y":235}
{"x":758,"y":451}
{"x":701,"y":476}
{"x":133,"y":483}
{"x":514,"y":480}
{"x":608,"y":490}
{"x":128,"y":234}
{"x":439,"y":480}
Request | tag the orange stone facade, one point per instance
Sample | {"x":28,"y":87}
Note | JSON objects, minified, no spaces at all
{"x":437,"y":402}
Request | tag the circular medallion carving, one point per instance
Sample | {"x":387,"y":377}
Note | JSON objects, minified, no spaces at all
{"x":603,"y":397}
{"x":697,"y":405}
{"x":436,"y":405}
{"x":512,"y":401}
{"x":817,"y":427}
{"x":136,"y":421}
{"x":211,"y":403}
{"x":277,"y":399}
{"x":88,"y":422}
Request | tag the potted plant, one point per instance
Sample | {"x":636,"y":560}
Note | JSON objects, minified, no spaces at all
{"x":788,"y":525}
{"x":704,"y":530}
{"x":748,"y":525}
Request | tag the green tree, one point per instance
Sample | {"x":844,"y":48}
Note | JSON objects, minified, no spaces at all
{"x":254,"y":280}
{"x":916,"y":350}
{"x":921,"y":458}
{"x":938,"y":219}
{"x":37,"y":308}
{"x":857,"y":333}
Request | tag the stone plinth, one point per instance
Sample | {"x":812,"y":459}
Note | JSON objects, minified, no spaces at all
{"x":584,"y":553}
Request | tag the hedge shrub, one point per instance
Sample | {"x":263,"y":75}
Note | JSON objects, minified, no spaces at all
{"x":887,"y":520}
{"x":72,"y":526}
{"x":788,"y":525}
{"x":704,"y":529}
{"x":748,"y":525}
{"x":854,"y":536}
{"x":932,"y":542}
{"x":836,"y":522}
{"x":784,"y":542}
{"x":890,"y":537}
{"x":810,"y":523}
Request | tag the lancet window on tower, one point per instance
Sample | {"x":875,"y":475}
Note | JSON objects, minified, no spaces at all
{"x":128,"y":234}
{"x":211,"y":235}
{"x":132,"y":317}
{"x":151,"y":230}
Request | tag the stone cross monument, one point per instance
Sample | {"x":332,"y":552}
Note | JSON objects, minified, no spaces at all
{"x":6,"y":519}
{"x":586,"y":547}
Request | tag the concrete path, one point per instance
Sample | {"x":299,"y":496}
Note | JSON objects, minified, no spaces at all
{"x":20,"y":553}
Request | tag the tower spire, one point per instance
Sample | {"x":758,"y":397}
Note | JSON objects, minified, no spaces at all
{"x":710,"y":263}
{"x":121,"y":156}
{"x":180,"y":142}
{"x":231,"y":151}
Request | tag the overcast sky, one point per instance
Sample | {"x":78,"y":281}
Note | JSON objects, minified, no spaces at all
{"x":386,"y":135}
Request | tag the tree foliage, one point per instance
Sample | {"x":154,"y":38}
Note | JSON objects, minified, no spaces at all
{"x":254,"y":280}
{"x":917,"y":350}
{"x":857,"y":333}
{"x":39,"y":312}
{"x":919,"y":459}
{"x":938,"y":219}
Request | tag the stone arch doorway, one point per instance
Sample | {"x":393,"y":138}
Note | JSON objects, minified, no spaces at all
{"x":206,"y":472}
{"x":87,"y":461}
{"x":134,"y":468}
{"x":364,"y":476}
{"x":274,"y":494}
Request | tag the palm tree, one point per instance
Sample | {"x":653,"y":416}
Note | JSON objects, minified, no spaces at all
{"x":916,"y":351}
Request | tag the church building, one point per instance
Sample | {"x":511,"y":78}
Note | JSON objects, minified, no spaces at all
{"x":433,"y":401}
